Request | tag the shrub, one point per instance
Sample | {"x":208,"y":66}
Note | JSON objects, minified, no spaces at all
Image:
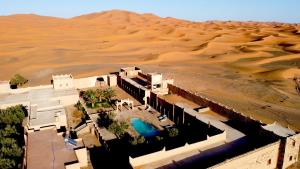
{"x":173,"y":132}
{"x":119,"y":129}
{"x":18,"y":80}
{"x":141,"y":139}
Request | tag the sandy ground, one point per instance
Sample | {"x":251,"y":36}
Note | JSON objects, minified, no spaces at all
{"x":246,"y":65}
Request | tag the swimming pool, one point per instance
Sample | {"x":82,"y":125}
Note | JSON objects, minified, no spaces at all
{"x":143,"y":128}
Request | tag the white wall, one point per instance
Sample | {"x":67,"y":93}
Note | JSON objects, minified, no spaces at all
{"x":63,"y":83}
{"x":291,"y":150}
{"x":163,"y":154}
{"x":88,"y":81}
{"x":256,"y":159}
{"x":4,"y":87}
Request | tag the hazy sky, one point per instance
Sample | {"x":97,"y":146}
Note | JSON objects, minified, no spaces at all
{"x":196,"y":10}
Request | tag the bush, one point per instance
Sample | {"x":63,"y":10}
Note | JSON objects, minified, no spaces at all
{"x":173,"y":132}
{"x":119,"y":129}
{"x":18,"y":80}
{"x":141,"y":139}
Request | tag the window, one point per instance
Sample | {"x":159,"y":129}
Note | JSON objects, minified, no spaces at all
{"x":291,"y":158}
{"x":294,"y":143}
{"x":269,"y":162}
{"x":66,"y":84}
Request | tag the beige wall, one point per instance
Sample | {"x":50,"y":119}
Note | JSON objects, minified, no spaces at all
{"x":63,"y":83}
{"x":4,"y":87}
{"x":112,"y":80}
{"x":82,"y":157}
{"x":263,"y":158}
{"x":163,"y":154}
{"x":87,"y":82}
{"x":291,"y":152}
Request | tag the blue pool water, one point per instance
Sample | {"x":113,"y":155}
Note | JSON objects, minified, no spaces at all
{"x":143,"y":128}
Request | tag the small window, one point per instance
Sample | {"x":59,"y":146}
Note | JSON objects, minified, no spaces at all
{"x":60,"y":85}
{"x":294,"y":143}
{"x":67,"y":85}
{"x":269,"y":162}
{"x":291,"y":158}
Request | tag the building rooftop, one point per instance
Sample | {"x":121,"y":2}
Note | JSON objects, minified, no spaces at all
{"x":36,"y":95}
{"x":279,"y":130}
{"x":4,"y":82}
{"x":47,"y":150}
{"x":56,"y":77}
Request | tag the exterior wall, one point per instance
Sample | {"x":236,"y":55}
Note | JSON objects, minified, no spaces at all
{"x":154,"y":79}
{"x":262,"y":158}
{"x":4,"y":87}
{"x":112,"y":80}
{"x":73,"y":166}
{"x":27,"y":89}
{"x":88,"y":82}
{"x":62,"y":82}
{"x":291,"y":151}
{"x":82,"y":157}
{"x":129,"y":71}
{"x":163,"y":154}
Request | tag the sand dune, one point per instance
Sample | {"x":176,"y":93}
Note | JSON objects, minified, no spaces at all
{"x":246,"y":65}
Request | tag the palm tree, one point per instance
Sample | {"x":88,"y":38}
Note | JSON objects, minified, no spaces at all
{"x":90,"y":97}
{"x":108,"y":94}
{"x":99,"y":94}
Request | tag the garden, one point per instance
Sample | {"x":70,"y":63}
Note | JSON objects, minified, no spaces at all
{"x":98,"y":98}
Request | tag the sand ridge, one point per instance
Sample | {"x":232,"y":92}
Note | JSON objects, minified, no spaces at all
{"x":247,"y":65}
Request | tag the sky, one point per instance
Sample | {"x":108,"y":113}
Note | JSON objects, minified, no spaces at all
{"x":194,"y":10}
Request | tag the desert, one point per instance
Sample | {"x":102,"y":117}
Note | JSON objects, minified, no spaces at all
{"x":248,"y":66}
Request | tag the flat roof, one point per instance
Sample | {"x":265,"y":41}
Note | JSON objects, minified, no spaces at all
{"x":62,"y":76}
{"x":279,"y":130}
{"x":47,"y":150}
{"x":4,"y":82}
{"x":36,"y":95}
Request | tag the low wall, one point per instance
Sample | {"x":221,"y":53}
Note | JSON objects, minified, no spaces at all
{"x":163,"y":154}
{"x":27,"y":89}
{"x":217,"y":107}
{"x":262,"y":158}
{"x":88,"y":82}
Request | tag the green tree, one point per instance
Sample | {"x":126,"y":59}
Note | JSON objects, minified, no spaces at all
{"x":99,"y":94}
{"x":18,"y":80}
{"x":90,"y":97}
{"x":119,"y":129}
{"x":173,"y":132}
{"x":6,"y":163}
{"x":108,"y":94}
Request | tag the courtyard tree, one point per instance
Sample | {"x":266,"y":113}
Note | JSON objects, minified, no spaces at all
{"x":99,"y":94}
{"x":90,"y":97}
{"x":18,"y":80}
{"x":119,"y":129}
{"x":108,"y":94}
